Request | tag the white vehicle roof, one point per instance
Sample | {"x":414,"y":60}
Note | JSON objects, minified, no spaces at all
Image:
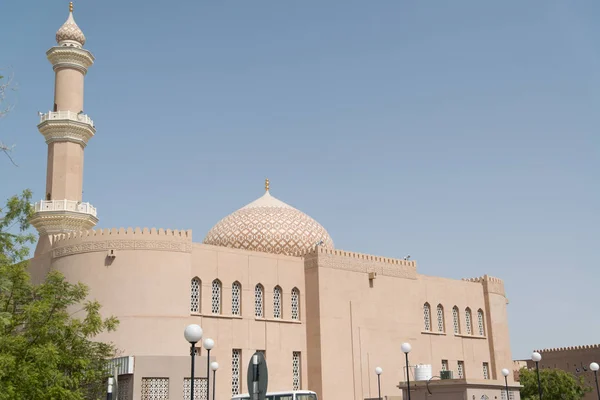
{"x":245,"y":395}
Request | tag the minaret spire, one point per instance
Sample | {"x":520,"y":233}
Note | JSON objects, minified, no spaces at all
{"x":67,"y":131}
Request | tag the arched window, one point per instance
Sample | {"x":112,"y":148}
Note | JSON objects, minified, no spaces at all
{"x":236,"y":298}
{"x":216,"y":296}
{"x":468,"y":324}
{"x":480,"y":322}
{"x":456,"y":320}
{"x":295,"y":300}
{"x":440,"y":318}
{"x":427,"y":316}
{"x":277,"y":302}
{"x":195,"y":295}
{"x":258,"y":301}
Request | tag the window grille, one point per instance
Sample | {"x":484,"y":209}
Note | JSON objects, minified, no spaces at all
{"x":277,"y":302}
{"x":461,"y":369}
{"x":440,"y":318}
{"x":296,"y":370}
{"x":480,"y":322}
{"x":295,"y":304}
{"x":124,"y":390}
{"x":444,"y":365}
{"x":427,"y":316}
{"x":456,"y":320}
{"x":199,"y":389}
{"x":216,"y":296}
{"x":258,"y":301}
{"x":468,"y":321}
{"x":236,"y":298}
{"x":195,"y":292}
{"x":511,"y":395}
{"x":155,"y":388}
{"x":236,"y":361}
{"x":486,"y":371}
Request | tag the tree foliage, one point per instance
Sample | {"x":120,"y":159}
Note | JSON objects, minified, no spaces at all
{"x":6,"y":85}
{"x":47,"y":349}
{"x":556,"y":385}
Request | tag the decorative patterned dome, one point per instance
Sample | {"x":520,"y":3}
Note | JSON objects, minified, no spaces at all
{"x":69,"y":32}
{"x":270,"y":226}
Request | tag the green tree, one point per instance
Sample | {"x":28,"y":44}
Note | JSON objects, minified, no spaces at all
{"x":47,"y":349}
{"x":556,"y":385}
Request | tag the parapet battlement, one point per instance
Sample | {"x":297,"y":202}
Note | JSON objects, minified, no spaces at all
{"x":360,"y":256}
{"x":358,"y":262}
{"x":121,"y":239}
{"x":570,"y":348}
{"x":490,"y":284}
{"x":60,"y":238}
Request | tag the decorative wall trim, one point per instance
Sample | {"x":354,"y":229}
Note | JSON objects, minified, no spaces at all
{"x":121,"y":239}
{"x":281,"y":320}
{"x":66,"y":130}
{"x":59,"y":221}
{"x":462,"y":335}
{"x":570,"y":348}
{"x":70,"y":57}
{"x":490,"y":284}
{"x":434,"y":333}
{"x":357,"y":262}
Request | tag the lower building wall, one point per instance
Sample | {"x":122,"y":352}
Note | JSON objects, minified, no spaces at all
{"x":460,"y":390}
{"x":161,"y":375}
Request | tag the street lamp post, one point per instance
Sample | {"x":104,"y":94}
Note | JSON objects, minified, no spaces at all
{"x":406,"y":348}
{"x":208,"y":345}
{"x":378,"y":371}
{"x":193,"y":334}
{"x":537,"y":357}
{"x":506,"y":372}
{"x":109,"y":391}
{"x":214,"y":366}
{"x":595,"y":367}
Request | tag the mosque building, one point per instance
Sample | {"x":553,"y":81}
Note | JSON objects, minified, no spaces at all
{"x":265,"y":278}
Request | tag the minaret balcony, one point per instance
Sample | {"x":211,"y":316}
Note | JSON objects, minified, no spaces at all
{"x":66,"y":126}
{"x":70,"y":115}
{"x":59,"y":216}
{"x":65,"y":56}
{"x":65,"y":205}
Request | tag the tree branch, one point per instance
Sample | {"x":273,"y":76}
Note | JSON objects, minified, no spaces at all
{"x":6,"y":85}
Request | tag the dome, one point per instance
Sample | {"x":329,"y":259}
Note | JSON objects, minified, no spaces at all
{"x":271,"y":226}
{"x":69,"y":33}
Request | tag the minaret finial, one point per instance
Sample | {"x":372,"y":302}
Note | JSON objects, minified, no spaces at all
{"x":267,"y":184}
{"x":71,"y":6}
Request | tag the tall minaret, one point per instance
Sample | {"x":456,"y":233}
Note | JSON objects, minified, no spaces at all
{"x":66,"y":130}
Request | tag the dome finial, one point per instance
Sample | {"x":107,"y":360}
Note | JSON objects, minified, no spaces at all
{"x":267,"y":184}
{"x":69,"y":33}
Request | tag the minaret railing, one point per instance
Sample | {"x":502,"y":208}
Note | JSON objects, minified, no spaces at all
{"x":70,"y":115}
{"x":65,"y":205}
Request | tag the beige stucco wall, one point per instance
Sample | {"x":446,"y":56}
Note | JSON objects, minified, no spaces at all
{"x":359,"y":324}
{"x":349,"y":323}
{"x":147,"y":286}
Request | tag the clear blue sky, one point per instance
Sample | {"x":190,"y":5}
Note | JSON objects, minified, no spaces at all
{"x":462,"y":133}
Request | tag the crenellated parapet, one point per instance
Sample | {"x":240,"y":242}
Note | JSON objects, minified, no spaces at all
{"x":570,"y":348}
{"x":358,"y":262}
{"x":490,"y":284}
{"x":65,"y":244}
